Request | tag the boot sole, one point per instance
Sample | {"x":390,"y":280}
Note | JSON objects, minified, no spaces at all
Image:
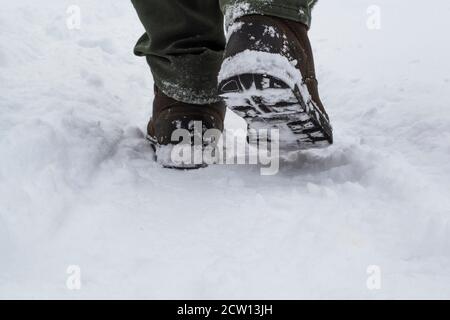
{"x":266,"y":102}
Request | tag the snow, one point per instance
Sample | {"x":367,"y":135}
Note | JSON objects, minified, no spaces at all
{"x":250,"y":61}
{"x":235,"y":11}
{"x":78,"y":185}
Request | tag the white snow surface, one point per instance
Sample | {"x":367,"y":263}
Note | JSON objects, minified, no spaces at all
{"x":78,"y":185}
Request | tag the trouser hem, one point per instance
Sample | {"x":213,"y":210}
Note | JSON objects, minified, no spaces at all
{"x":182,"y":93}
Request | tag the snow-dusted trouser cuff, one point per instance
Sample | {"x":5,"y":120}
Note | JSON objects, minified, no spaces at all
{"x":190,"y":79}
{"x":297,"y":10}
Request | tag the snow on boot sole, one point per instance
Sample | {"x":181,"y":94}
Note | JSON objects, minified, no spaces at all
{"x":266,"y":102}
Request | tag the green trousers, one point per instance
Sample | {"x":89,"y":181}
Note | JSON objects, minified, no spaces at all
{"x":184,"y":39}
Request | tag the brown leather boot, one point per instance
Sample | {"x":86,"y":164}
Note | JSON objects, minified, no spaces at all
{"x":268,"y":78}
{"x":170,"y":115}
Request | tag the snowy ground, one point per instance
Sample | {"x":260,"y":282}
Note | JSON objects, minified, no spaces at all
{"x":78,"y":185}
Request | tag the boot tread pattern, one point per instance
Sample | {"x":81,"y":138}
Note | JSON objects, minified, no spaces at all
{"x":268,"y":103}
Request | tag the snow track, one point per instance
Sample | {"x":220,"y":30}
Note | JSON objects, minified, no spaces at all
{"x":78,"y":185}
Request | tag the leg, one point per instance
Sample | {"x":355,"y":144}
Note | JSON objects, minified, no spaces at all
{"x":184,"y":45}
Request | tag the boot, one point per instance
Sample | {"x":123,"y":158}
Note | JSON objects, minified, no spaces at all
{"x":268,"y":78}
{"x":170,"y":115}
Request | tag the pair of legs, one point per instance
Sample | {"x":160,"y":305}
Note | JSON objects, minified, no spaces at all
{"x":184,"y":41}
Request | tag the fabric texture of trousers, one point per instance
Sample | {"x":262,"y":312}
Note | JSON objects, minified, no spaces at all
{"x":184,"y":39}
